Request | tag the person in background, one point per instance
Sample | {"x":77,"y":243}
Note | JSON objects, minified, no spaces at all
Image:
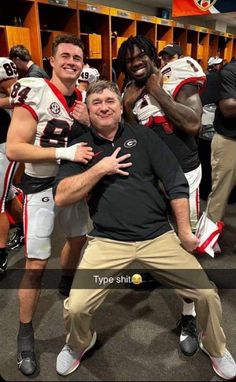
{"x":8,"y":198}
{"x":167,"y":101}
{"x":21,"y":56}
{"x":130,"y":223}
{"x":87,"y":76}
{"x":223,"y":146}
{"x":215,"y":64}
{"x":43,"y":115}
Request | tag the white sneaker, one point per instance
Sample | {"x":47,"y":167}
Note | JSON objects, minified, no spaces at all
{"x":69,"y":360}
{"x":224,"y":366}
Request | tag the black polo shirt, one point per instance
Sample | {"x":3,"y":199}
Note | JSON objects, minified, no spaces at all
{"x":131,"y":208}
{"x":211,"y":92}
{"x":226,"y":126}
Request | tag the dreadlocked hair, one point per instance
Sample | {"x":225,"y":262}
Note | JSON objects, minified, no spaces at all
{"x":143,"y":43}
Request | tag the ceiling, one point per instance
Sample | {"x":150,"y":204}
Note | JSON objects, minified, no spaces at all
{"x":228,"y":18}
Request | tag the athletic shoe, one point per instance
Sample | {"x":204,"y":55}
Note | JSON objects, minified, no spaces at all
{"x":224,"y":366}
{"x":26,"y":362}
{"x":69,"y":360}
{"x":16,"y":240}
{"x":25,"y":354}
{"x":188,"y":336}
{"x":64,"y":285}
{"x":3,"y":262}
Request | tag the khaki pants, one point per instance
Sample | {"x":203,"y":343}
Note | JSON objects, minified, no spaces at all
{"x":172,"y":265}
{"x":223,"y":163}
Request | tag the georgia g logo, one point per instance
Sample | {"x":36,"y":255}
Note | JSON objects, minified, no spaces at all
{"x":204,"y":5}
{"x":54,"y":108}
{"x":130,"y":143}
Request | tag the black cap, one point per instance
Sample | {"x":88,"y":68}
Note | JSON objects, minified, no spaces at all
{"x":171,"y":49}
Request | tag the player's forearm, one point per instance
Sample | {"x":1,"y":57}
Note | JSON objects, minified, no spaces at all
{"x":74,"y":188}
{"x":180,"y":208}
{"x":26,"y":152}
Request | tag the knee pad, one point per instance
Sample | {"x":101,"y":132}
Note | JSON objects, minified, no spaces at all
{"x":38,"y":238}
{"x":44,"y":219}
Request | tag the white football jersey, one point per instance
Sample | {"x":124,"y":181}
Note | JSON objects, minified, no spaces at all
{"x":8,"y":71}
{"x":177,"y":73}
{"x":49,"y":108}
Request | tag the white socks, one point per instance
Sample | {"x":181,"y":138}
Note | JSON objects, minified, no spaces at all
{"x":188,"y":309}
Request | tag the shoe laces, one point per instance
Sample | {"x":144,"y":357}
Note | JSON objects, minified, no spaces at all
{"x":68,"y":355}
{"x":67,"y":348}
{"x":188,"y":323}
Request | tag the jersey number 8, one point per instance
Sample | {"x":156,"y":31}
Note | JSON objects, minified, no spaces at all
{"x":20,"y":94}
{"x":10,"y":69}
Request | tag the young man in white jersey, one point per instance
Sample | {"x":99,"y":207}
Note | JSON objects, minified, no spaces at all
{"x":42,"y":120}
{"x":168,"y":102}
{"x":8,"y":199}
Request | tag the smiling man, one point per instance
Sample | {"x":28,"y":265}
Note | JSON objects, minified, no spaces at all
{"x":167,"y":101}
{"x":38,"y":135}
{"x":130,"y":223}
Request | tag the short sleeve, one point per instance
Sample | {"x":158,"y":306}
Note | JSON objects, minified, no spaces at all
{"x":29,"y":93}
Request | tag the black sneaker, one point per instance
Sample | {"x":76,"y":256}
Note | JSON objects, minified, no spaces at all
{"x":188,"y":337}
{"x":3,"y":262}
{"x":26,"y":362}
{"x":64,"y":286}
{"x":16,"y":239}
{"x":26,"y":359}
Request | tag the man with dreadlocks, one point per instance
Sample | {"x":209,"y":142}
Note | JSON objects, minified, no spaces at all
{"x":167,"y":101}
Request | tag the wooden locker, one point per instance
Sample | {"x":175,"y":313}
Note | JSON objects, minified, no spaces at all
{"x":93,"y":45}
{"x":18,"y":35}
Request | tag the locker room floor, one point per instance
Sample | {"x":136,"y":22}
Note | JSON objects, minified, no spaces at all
{"x":137,"y":336}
